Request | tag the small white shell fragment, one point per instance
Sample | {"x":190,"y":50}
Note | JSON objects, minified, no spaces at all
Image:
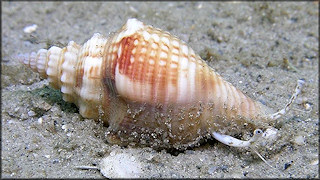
{"x":40,"y":120}
{"x":120,"y":165}
{"x":199,"y":6}
{"x":270,"y":134}
{"x":299,"y":140}
{"x":315,"y":162}
{"x":133,"y":9}
{"x":307,"y":106}
{"x":31,"y":113}
{"x":30,"y":29}
{"x":64,"y":127}
{"x":11,"y":122}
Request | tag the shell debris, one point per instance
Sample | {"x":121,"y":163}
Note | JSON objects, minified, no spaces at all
{"x":30,"y":29}
{"x":121,"y":165}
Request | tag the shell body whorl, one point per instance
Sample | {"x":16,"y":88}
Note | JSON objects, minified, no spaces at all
{"x":149,"y":86}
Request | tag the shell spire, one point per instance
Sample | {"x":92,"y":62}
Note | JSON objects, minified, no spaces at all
{"x":148,"y":86}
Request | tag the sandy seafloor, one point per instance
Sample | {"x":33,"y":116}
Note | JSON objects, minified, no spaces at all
{"x":247,"y":43}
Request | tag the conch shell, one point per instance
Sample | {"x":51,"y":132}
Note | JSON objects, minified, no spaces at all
{"x":149,"y":87}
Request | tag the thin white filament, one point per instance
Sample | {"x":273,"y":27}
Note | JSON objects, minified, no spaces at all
{"x":283,"y":111}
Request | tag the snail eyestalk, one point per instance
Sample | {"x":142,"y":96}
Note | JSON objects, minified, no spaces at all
{"x":283,"y":111}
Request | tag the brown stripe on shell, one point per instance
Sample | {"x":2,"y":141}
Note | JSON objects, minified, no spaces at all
{"x":79,"y":74}
{"x":59,"y":69}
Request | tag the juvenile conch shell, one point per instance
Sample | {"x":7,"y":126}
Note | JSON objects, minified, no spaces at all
{"x":149,"y":87}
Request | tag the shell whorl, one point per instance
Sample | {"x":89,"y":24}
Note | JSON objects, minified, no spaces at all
{"x":152,"y":66}
{"x":142,"y":66}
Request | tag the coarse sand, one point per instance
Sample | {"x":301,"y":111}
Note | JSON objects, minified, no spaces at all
{"x":262,"y":48}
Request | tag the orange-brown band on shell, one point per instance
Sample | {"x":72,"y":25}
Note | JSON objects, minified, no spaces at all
{"x":79,"y":74}
{"x":140,"y":61}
